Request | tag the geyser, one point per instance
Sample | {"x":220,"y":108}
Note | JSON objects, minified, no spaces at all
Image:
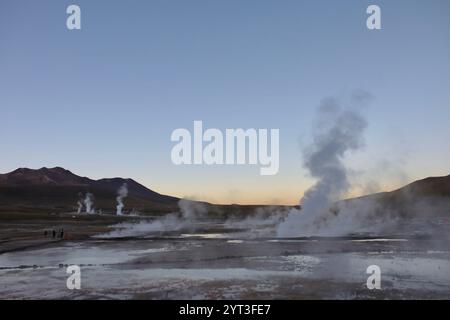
{"x":80,"y":203}
{"x":336,"y":132}
{"x":89,"y":203}
{"x":122,"y":193}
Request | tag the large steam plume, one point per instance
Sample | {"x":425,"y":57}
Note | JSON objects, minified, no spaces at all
{"x":337,"y":131}
{"x":122,"y":193}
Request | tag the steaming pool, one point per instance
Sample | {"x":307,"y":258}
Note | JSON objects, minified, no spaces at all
{"x":179,"y":264}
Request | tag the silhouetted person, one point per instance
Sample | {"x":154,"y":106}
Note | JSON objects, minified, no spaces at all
{"x":61,"y":234}
{"x":54,"y":234}
{"x":45,"y":233}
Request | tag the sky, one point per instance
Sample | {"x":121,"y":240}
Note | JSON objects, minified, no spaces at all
{"x":103,"y":101}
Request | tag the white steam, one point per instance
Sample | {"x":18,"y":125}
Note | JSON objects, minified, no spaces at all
{"x":192,"y":210}
{"x":337,"y":132}
{"x":89,"y":203}
{"x":80,"y":206}
{"x":190,"y":213}
{"x":80,"y":203}
{"x":122,"y":193}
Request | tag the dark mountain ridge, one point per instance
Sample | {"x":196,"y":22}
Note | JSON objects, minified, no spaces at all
{"x":59,"y":189}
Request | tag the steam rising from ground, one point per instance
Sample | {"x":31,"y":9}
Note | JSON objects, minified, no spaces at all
{"x":338,"y":130}
{"x":89,"y":203}
{"x":122,"y":193}
{"x":190,"y":212}
{"x":195,"y":216}
{"x":80,"y":203}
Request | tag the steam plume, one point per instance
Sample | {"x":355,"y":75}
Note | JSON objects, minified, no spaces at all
{"x":80,"y":203}
{"x":122,"y":193}
{"x":89,"y":203}
{"x":337,"y":131}
{"x":80,"y":206}
{"x":192,"y":210}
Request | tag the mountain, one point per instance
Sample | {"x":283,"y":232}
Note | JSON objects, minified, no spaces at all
{"x":42,"y":177}
{"x":428,"y":188}
{"x":426,"y":198}
{"x":59,"y":189}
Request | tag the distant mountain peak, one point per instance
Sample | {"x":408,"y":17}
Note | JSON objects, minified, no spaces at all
{"x":42,"y":176}
{"x":61,"y":177}
{"x":54,"y":169}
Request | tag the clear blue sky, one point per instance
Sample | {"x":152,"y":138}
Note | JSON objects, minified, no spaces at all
{"x":103,"y":101}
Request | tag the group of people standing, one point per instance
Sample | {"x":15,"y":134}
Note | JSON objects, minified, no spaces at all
{"x":54,"y":233}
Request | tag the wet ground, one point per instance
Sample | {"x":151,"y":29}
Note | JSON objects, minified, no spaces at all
{"x":226,"y":261}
